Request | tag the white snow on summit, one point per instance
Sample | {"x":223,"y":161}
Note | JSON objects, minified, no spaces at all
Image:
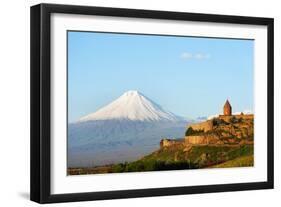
{"x":132,"y":105}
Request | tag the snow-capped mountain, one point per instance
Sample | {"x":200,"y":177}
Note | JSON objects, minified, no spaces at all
{"x":134,"y":106}
{"x":124,"y":130}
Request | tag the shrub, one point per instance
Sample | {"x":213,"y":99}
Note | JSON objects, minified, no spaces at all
{"x":191,"y":131}
{"x":217,"y":121}
{"x":153,"y":165}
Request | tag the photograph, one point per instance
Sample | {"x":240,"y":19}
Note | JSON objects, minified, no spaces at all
{"x":131,"y":103}
{"x":148,"y":102}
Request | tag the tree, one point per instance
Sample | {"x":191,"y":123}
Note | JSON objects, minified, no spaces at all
{"x":189,"y":131}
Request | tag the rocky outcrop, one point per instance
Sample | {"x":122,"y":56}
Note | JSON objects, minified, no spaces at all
{"x":235,"y":130}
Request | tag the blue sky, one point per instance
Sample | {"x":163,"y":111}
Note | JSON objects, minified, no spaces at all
{"x":188,"y":76}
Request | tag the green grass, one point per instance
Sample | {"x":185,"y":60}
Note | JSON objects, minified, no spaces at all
{"x":245,"y":161}
{"x":152,"y":165}
{"x":176,"y":158}
{"x":215,"y":154}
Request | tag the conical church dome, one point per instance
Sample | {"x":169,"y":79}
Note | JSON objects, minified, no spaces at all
{"x":227,"y":109}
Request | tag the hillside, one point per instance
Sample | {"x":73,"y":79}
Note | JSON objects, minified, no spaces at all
{"x":179,"y":157}
{"x":227,"y":143}
{"x":244,"y":161}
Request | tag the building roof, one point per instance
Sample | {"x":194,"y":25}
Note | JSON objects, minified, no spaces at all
{"x":227,"y":104}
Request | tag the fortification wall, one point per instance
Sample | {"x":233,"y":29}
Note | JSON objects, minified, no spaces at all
{"x":202,"y":139}
{"x":243,"y":116}
{"x":169,"y":142}
{"x":196,"y":139}
{"x":206,"y":126}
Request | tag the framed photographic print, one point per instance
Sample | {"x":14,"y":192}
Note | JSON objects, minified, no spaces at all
{"x":133,"y":103}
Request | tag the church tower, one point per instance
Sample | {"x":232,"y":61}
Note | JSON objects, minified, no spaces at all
{"x":227,"y":109}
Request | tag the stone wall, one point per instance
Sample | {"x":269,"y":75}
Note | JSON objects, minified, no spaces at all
{"x":169,"y":142}
{"x":202,"y":139}
{"x":243,"y":116}
{"x":195,"y":140}
{"x":206,"y":126}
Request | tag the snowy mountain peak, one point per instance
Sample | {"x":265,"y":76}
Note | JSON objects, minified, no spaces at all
{"x":132,"y":105}
{"x":132,"y":93}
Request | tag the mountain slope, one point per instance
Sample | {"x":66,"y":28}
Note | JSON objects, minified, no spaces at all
{"x":124,"y":130}
{"x":132,"y":105}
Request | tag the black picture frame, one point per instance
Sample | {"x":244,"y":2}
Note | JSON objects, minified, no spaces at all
{"x":41,"y":99}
